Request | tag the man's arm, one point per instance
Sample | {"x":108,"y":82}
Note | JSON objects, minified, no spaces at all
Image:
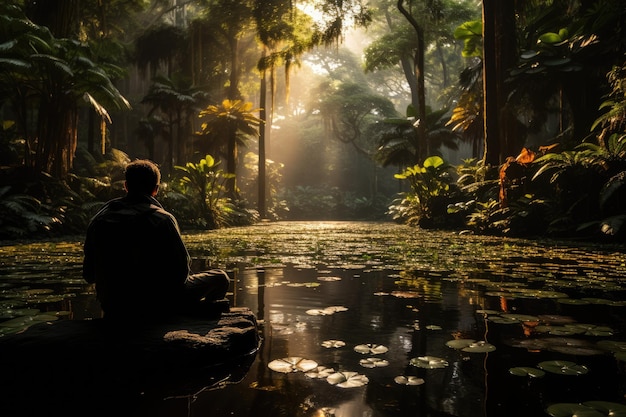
{"x":180,"y":261}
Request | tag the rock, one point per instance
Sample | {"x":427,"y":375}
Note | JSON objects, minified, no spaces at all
{"x":90,"y":360}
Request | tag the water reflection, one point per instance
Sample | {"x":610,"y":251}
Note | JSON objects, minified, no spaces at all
{"x":408,"y":290}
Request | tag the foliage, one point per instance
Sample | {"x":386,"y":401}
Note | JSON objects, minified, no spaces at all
{"x":173,"y":102}
{"x":22,"y":215}
{"x":614,"y":118}
{"x":398,"y":140}
{"x":330,"y":203}
{"x":202,"y":185}
{"x":348,"y":108}
{"x":249,"y":184}
{"x":44,"y":81}
{"x":37,"y":206}
{"x":432,"y":186}
{"x":227,"y":126}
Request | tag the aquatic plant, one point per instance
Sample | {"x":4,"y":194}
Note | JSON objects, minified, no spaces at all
{"x":292,"y":364}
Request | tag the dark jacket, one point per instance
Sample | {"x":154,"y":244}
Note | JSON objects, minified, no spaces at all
{"x":135,"y":254}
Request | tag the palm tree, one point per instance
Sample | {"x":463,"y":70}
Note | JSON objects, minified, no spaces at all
{"x":177,"y":100}
{"x":229,"y":125}
{"x":46,"y":79}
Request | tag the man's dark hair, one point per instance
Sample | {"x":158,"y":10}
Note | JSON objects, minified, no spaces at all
{"x":142,"y":176}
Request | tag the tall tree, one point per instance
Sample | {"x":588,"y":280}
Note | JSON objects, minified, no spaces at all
{"x":418,"y":68}
{"x":278,"y":29}
{"x":285,"y":34}
{"x":47,"y":80}
{"x":178,"y":101}
{"x":499,"y":55}
{"x":229,"y":125}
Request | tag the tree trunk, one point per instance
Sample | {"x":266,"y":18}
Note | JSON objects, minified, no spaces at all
{"x":499,"y":54}
{"x":262,"y":174}
{"x":420,"y":105}
{"x":231,"y":162}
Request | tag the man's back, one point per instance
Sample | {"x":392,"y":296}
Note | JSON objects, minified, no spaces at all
{"x":134,"y":254}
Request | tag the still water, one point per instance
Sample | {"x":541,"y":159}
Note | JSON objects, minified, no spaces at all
{"x":379,"y":319}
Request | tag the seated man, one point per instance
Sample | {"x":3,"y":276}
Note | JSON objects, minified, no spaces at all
{"x":135,"y":254}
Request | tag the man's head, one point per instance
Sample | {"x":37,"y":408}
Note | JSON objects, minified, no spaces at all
{"x":142,"y":177}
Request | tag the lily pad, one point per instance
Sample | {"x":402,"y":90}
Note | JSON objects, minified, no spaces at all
{"x":559,"y":330}
{"x":292,"y":364}
{"x":373,"y":363}
{"x":555,"y":319}
{"x":608,"y":408}
{"x":527,"y":371}
{"x":520,"y":317}
{"x":329,"y":278}
{"x":459,"y":343}
{"x":429,"y":362}
{"x":370,"y":348}
{"x":563,"y":367}
{"x":600,"y":331}
{"x":347,"y":379}
{"x":502,"y":320}
{"x":405,"y":294}
{"x":479,"y":347}
{"x":326,"y":311}
{"x":320,"y":372}
{"x":408,"y":380}
{"x":304,"y":284}
{"x":572,"y":410}
{"x":333,"y":343}
{"x":612,"y":345}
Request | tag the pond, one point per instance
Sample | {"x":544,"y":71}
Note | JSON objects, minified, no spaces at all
{"x":379,"y":319}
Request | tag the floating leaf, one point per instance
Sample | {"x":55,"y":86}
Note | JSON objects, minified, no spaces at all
{"x":333,"y":343}
{"x":405,"y":294}
{"x":429,"y":362}
{"x":479,"y":347}
{"x":502,"y":320}
{"x":326,"y":311}
{"x":347,"y":379}
{"x":459,"y":343}
{"x":601,"y":331}
{"x":370,"y":348}
{"x":320,"y":372}
{"x":45,"y":317}
{"x":329,"y":278}
{"x":408,"y":380}
{"x":563,"y":367}
{"x":559,"y":330}
{"x":612,"y":345}
{"x":572,"y":410}
{"x":22,"y":321}
{"x":608,"y":408}
{"x":304,"y":284}
{"x":292,"y":364}
{"x":527,"y":371}
{"x":520,"y":317}
{"x":556,"y":319}
{"x":373,"y":363}
{"x":576,"y":350}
